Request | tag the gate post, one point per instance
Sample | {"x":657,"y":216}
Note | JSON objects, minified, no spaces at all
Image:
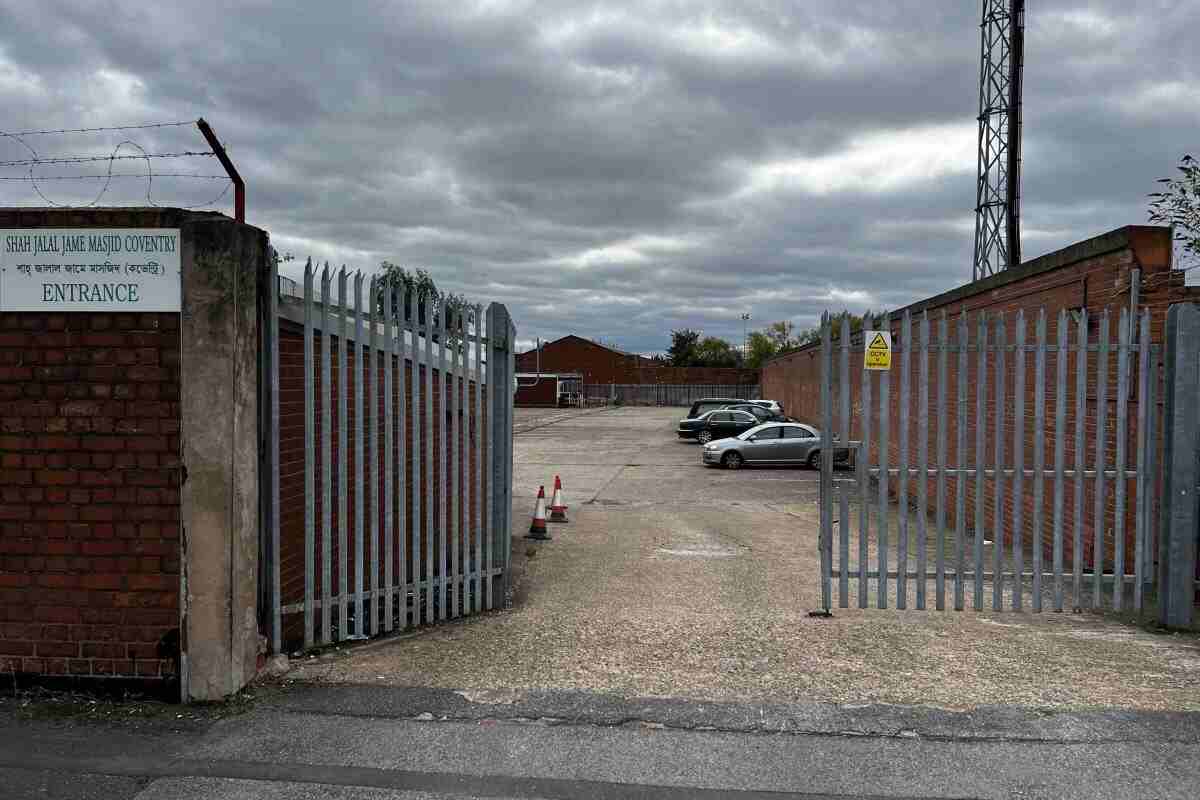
{"x":826,"y":537}
{"x":501,"y":335}
{"x":225,"y":265}
{"x":1181,"y":446}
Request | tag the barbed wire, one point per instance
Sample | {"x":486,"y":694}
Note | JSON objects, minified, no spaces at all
{"x":114,"y":175}
{"x":87,"y":159}
{"x":37,"y":160}
{"x":106,"y":128}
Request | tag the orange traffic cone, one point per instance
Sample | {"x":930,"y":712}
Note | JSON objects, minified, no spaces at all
{"x":558,"y":506}
{"x":558,"y":489}
{"x":537,"y":528}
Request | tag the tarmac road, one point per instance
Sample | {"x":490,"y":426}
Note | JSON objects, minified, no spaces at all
{"x":369,"y":743}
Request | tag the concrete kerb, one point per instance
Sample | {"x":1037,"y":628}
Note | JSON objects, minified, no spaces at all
{"x":571,"y":707}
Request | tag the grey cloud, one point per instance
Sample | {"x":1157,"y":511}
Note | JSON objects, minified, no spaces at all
{"x":589,"y":164}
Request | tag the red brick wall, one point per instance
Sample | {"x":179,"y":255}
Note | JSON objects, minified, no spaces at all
{"x":1094,"y":275}
{"x":292,"y":482}
{"x":692,"y":376}
{"x":599,"y":364}
{"x":89,"y":493}
{"x":537,"y":393}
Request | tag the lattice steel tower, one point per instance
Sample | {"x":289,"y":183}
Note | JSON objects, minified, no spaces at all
{"x":998,"y":190}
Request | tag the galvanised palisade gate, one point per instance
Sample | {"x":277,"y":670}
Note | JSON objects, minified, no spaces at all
{"x":997,"y":463}
{"x":388,"y":457}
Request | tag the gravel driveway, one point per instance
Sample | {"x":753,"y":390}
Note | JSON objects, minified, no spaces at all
{"x":676,"y":580}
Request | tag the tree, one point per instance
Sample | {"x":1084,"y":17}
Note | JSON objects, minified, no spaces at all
{"x":419,"y":285}
{"x":682,"y":352}
{"x":812,"y":335}
{"x":761,"y":348}
{"x":782,"y":334}
{"x":1178,"y":204}
{"x":714,"y":352}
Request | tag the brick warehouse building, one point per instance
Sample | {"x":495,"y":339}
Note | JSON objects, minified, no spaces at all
{"x":1096,"y":274}
{"x":600,"y":364}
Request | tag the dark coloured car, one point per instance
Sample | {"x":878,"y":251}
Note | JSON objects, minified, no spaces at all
{"x":706,"y":404}
{"x":690,"y":426}
{"x":714,"y":425}
{"x":762,"y":413}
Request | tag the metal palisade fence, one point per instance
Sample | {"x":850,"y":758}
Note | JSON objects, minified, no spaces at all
{"x":662,"y":394}
{"x":1000,"y":461}
{"x":389,"y":459}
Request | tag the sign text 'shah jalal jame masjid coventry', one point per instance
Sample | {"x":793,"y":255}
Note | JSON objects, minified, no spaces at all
{"x":89,"y":269}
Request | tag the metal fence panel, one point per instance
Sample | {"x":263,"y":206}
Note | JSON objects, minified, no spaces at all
{"x":480,"y":451}
{"x":373,"y":299}
{"x":325,"y":433}
{"x":1081,"y":359}
{"x":661,"y":394}
{"x":310,"y":461}
{"x":397,"y":526}
{"x":389,"y":438}
{"x":940,"y":571}
{"x":1004,"y":473}
{"x":1039,"y":456}
{"x":923,"y":466}
{"x":343,"y":459}
{"x":902,"y":482}
{"x":443,"y":517}
{"x":1119,"y":480}
{"x":1101,"y":458}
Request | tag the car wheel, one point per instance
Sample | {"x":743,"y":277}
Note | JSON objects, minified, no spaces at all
{"x":814,"y":459}
{"x":732,"y":461}
{"x":705,"y":437}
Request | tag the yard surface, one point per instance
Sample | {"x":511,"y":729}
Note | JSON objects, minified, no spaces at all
{"x":675,"y":580}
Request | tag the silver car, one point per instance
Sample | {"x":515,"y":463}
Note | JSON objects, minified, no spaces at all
{"x":771,"y":443}
{"x":771,"y":405}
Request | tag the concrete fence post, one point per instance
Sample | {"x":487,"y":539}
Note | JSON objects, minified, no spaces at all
{"x":1181,"y":462}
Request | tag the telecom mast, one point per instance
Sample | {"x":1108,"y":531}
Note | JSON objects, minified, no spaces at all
{"x":998,"y":190}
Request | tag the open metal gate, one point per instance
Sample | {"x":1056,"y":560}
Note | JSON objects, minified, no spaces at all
{"x":387,"y":458}
{"x":1000,"y":462}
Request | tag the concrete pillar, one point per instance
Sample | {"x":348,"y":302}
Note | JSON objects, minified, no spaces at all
{"x":221,"y":265}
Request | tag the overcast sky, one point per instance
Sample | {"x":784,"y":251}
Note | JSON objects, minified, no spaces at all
{"x":616,"y":170}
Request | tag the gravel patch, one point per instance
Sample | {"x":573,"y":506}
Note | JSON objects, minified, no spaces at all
{"x":676,"y":581}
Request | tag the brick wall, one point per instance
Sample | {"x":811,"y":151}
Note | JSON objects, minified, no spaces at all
{"x":292,"y":471}
{"x":89,"y":493}
{"x":537,"y":393}
{"x":1096,"y":275}
{"x":692,"y":376}
{"x":599,"y":365}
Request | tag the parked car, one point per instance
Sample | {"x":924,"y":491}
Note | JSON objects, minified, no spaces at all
{"x":762,"y":413}
{"x":772,"y":443}
{"x":717,"y":424}
{"x":774,"y":405}
{"x":711,"y":404}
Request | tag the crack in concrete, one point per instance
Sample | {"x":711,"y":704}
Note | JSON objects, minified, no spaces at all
{"x":760,"y":730}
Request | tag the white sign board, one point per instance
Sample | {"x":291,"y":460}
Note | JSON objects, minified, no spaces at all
{"x":89,"y":269}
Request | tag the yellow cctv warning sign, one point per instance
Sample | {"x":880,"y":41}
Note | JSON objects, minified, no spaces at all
{"x":879,"y":349}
